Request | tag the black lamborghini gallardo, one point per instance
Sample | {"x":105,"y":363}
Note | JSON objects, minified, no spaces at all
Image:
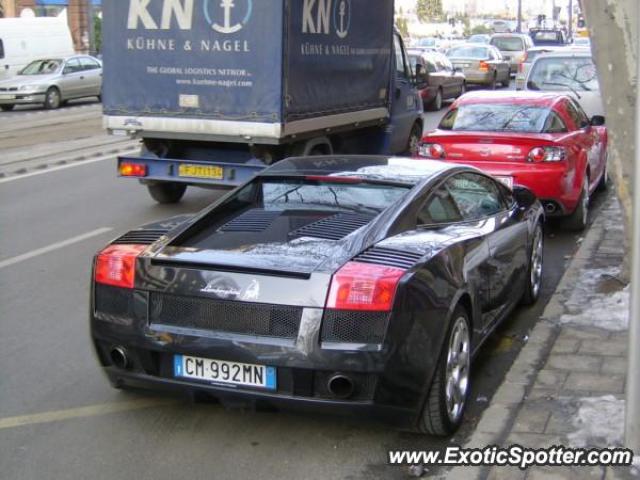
{"x":350,"y":284}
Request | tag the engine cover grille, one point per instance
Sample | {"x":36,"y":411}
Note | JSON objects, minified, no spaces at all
{"x":224,"y":316}
{"x":354,"y":327}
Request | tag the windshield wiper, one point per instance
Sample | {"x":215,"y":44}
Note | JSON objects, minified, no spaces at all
{"x":555,"y":84}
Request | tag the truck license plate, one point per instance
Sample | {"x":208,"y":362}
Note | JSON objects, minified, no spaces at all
{"x":201,"y":171}
{"x":219,"y":371}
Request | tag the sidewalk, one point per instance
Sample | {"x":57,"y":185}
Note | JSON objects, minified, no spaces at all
{"x":567,"y":385}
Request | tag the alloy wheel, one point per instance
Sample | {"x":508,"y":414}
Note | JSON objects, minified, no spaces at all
{"x":537,"y":262}
{"x":457,"y":373}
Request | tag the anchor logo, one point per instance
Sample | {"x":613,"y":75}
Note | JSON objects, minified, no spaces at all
{"x":342,"y":17}
{"x":227,"y":26}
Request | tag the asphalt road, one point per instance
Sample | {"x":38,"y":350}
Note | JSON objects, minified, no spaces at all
{"x":60,"y":419}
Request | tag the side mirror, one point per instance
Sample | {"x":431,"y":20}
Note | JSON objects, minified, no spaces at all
{"x":531,"y":85}
{"x":523,"y":196}
{"x":419,"y":71}
{"x":597,"y":121}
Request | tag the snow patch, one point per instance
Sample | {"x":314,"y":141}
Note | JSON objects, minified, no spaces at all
{"x":599,"y":422}
{"x":587,"y":307}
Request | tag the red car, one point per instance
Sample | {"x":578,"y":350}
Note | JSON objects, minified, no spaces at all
{"x":542,"y":141}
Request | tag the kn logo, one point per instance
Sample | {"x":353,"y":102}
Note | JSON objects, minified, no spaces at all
{"x":319,"y":15}
{"x":227,"y":11}
{"x":224,"y":16}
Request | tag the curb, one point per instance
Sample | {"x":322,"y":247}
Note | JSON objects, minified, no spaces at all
{"x":109,"y":151}
{"x":497,"y":420}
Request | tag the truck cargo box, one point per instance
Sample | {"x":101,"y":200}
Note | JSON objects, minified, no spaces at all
{"x":245,"y":70}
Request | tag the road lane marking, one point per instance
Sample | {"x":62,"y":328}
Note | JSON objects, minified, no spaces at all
{"x":54,"y":246}
{"x":55,"y":169}
{"x":83,"y":412}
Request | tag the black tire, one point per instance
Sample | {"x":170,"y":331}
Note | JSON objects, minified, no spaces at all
{"x":167,"y":192}
{"x":436,"y":418}
{"x":603,"y":184}
{"x":414,"y":140}
{"x":579,"y":219}
{"x":7,"y":108}
{"x":507,"y":82}
{"x":494,"y":82}
{"x":463,"y":89}
{"x":52,"y":99}
{"x":534,"y":272}
{"x":436,"y":104}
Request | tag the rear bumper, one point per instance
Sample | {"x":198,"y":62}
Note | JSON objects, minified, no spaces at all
{"x":478,"y":77}
{"x":397,"y":417}
{"x":168,"y":170}
{"x":383,"y":390}
{"x":552,"y":182}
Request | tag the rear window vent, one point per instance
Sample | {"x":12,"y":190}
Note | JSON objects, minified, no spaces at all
{"x":334,"y":227}
{"x":254,"y":221}
{"x":140,"y":237}
{"x":388,"y":257}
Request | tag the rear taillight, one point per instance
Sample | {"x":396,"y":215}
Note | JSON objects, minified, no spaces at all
{"x":547,"y":154}
{"x":431,"y":150}
{"x":116,"y":265}
{"x":364,"y":287}
{"x":133,"y":170}
{"x":484,"y":67}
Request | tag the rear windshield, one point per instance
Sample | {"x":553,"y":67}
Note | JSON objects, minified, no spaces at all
{"x":296,"y":194}
{"x":508,"y":44}
{"x":496,"y":118}
{"x":468,"y":52}
{"x":546,"y":37}
{"x":427,"y":42}
{"x":565,"y":74}
{"x":42,"y":67}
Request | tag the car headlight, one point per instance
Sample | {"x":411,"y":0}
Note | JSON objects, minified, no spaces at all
{"x":28,"y":88}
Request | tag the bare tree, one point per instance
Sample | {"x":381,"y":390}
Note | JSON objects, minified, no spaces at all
{"x":614,"y":31}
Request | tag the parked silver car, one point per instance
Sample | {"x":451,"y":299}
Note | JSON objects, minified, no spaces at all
{"x":523,"y":70}
{"x":53,"y":81}
{"x":513,"y":46}
{"x":568,"y":71}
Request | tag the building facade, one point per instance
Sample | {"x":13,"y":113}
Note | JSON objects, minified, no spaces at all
{"x":78,"y":15}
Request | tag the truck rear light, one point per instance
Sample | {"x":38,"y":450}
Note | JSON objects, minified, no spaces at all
{"x":116,"y":265}
{"x":547,"y":154}
{"x":431,"y":150}
{"x":364,"y":287}
{"x":484,"y":67}
{"x":133,"y":169}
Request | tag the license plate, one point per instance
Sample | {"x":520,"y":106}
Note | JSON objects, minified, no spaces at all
{"x":462,"y":65}
{"x":201,"y":171}
{"x":228,"y":373}
{"x":508,"y":181}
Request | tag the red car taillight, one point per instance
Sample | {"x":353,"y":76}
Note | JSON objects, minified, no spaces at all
{"x":364,"y":287}
{"x":431,"y":150}
{"x":116,"y":265}
{"x":547,"y":154}
{"x":484,"y":67}
{"x":133,"y":170}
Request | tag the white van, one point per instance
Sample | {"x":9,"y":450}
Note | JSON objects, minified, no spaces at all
{"x":25,"y":39}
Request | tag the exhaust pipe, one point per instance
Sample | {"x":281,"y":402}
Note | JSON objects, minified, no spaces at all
{"x":340,"y":386}
{"x":119,"y":357}
{"x":550,"y":208}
